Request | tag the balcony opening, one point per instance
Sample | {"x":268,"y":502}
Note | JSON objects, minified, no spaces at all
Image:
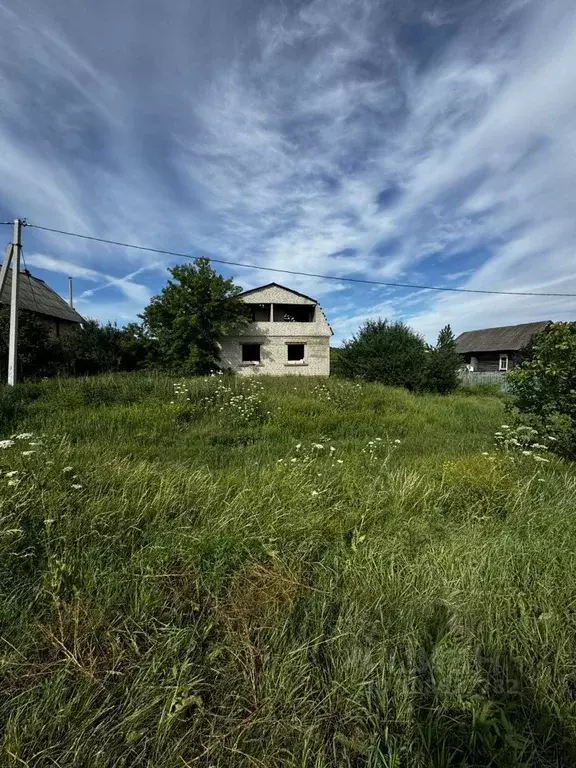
{"x":259,"y":313}
{"x":293,"y":313}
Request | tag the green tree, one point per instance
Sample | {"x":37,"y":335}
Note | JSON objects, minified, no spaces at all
{"x":442,"y":364}
{"x":195,"y":309}
{"x":544,"y":386}
{"x":384,"y":351}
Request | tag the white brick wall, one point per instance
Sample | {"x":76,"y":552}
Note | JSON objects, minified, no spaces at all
{"x":274,"y":356}
{"x":274,"y":338}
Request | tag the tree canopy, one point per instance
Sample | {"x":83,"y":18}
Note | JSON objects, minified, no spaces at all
{"x":196,"y":308}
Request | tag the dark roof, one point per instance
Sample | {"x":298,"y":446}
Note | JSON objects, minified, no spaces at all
{"x":502,"y":339}
{"x":36,"y":296}
{"x":277,"y":285}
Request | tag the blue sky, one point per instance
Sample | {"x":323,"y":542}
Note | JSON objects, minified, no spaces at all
{"x":417,"y":141}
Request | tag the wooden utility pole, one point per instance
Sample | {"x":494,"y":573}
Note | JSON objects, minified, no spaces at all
{"x":13,"y":343}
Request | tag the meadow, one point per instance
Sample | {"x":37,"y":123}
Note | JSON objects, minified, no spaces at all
{"x":284,"y":572}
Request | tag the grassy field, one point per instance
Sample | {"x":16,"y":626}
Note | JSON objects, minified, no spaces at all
{"x":280,"y":573}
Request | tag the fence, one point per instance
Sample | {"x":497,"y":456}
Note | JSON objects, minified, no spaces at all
{"x":474,"y":378}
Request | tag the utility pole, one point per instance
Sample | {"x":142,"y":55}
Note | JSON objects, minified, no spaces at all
{"x":13,"y":343}
{"x":70,"y":300}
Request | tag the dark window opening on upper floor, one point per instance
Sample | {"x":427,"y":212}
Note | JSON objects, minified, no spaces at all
{"x":293,"y":313}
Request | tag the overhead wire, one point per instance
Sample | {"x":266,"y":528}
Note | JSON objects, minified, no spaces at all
{"x":297,"y":272}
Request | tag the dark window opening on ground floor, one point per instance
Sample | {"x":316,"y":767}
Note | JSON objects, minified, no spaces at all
{"x":250,"y":353}
{"x":295,"y":353}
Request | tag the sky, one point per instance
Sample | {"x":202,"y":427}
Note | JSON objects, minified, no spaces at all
{"x":392,"y":140}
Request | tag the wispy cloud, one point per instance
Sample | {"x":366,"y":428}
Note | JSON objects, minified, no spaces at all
{"x":427,"y":142}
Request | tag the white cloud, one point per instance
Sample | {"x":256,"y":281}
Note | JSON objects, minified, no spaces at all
{"x":276,"y":150}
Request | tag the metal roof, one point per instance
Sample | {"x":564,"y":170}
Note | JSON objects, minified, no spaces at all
{"x":36,"y":296}
{"x":505,"y":338}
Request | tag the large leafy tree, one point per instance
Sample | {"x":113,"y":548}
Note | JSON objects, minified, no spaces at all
{"x":384,"y":351}
{"x":443,"y":362}
{"x":195,"y":309}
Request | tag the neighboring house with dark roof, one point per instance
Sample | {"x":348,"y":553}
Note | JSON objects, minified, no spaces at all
{"x":36,"y":296}
{"x":497,"y":349}
{"x":288,"y":334}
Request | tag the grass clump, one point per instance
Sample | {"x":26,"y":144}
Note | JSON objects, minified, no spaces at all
{"x":281,"y":573}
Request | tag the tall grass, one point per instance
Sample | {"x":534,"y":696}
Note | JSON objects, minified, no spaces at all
{"x":182,"y":585}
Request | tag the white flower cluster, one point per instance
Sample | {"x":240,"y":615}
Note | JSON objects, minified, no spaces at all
{"x":523,"y":440}
{"x":379,"y":445}
{"x":307,"y":458}
{"x":29,"y":468}
{"x":241,"y":401}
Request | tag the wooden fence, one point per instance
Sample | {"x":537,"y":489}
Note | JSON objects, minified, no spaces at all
{"x":473,"y":379}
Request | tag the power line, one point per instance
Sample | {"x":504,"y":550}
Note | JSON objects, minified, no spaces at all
{"x":295,"y":272}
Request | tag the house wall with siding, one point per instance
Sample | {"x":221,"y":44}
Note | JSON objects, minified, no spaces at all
{"x":274,"y":337}
{"x":489,"y":362}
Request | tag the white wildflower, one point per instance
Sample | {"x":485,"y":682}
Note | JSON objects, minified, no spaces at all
{"x":314,"y":493}
{"x":76,"y":486}
{"x":332,"y":449}
{"x":28,"y":453}
{"x":485,"y":453}
{"x":67,"y":469}
{"x":13,"y":482}
{"x":299,"y":446}
{"x":541,"y":480}
{"x":340,"y":461}
{"x":318,"y":446}
{"x":505,"y":426}
{"x":554,"y":439}
{"x":541,"y":458}
{"x":397,"y":442}
{"x":6,"y":443}
{"x":294,"y":459}
{"x":526,"y":453}
{"x":24,"y":436}
{"x":12,"y":473}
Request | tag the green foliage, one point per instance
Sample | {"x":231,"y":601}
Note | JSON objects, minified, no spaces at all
{"x":181,"y":592}
{"x":39,"y":350}
{"x":96,"y":348}
{"x":387,"y":352}
{"x":195,"y":309}
{"x":442,"y":364}
{"x":544,"y":387}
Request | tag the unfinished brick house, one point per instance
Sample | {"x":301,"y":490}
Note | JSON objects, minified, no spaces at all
{"x":289,"y":334}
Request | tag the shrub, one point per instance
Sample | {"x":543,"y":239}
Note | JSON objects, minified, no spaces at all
{"x":544,"y":387}
{"x":390,"y":353}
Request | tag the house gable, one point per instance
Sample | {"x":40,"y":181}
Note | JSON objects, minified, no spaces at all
{"x":273,"y":293}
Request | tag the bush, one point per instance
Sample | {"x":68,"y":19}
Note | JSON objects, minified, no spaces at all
{"x":544,"y":387}
{"x":390,"y":353}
